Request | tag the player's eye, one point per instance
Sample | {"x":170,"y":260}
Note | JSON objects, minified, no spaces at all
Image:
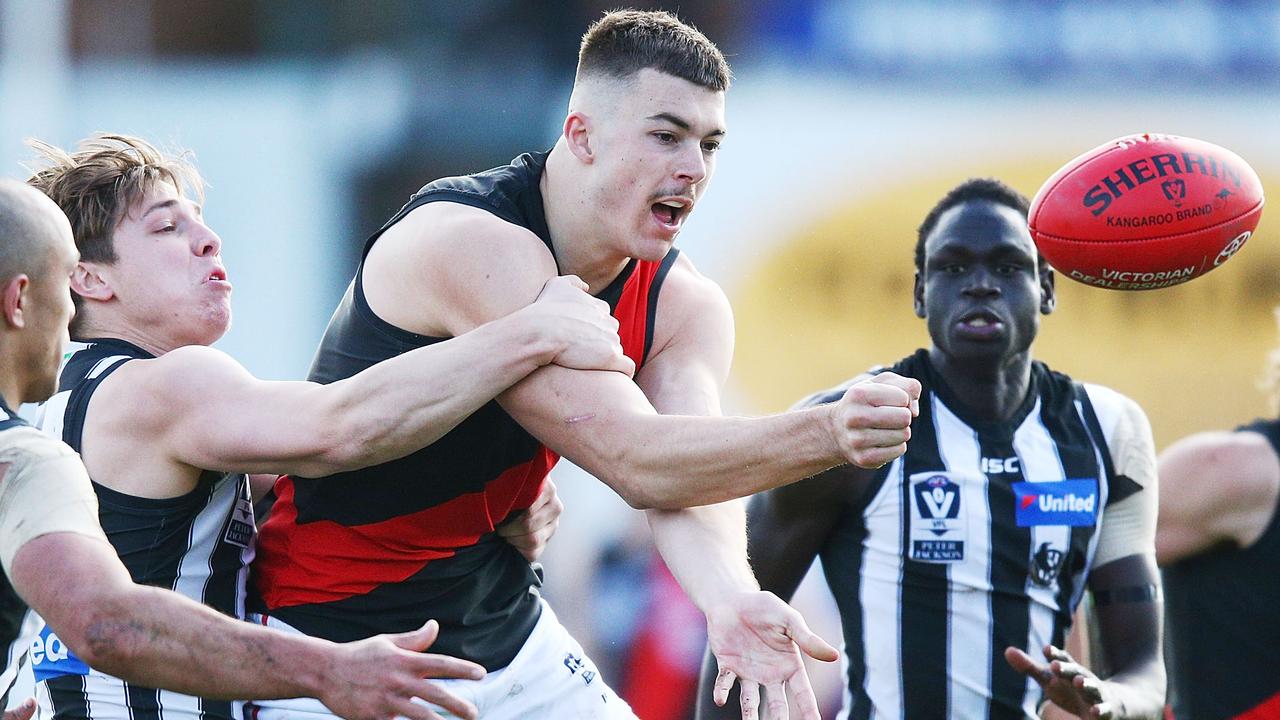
{"x":710,"y":147}
{"x":664,"y":137}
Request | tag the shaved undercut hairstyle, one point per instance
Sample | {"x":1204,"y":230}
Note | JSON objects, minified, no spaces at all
{"x":624,"y":42}
{"x":989,"y":189}
{"x":97,"y":184}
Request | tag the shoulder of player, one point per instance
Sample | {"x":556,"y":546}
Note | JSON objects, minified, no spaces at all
{"x":689,"y":288}
{"x":458,"y":232}
{"x":1115,"y":410}
{"x":691,"y":307}
{"x":1226,"y":469}
{"x":153,"y":389}
{"x":447,"y":267}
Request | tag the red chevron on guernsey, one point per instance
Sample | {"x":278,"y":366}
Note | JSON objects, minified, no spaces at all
{"x":345,"y":567}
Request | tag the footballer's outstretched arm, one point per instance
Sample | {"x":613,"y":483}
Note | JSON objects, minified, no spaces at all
{"x":158,"y":638}
{"x":602,"y":421}
{"x":209,"y":412}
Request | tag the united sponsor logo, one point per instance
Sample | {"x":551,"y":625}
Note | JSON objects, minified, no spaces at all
{"x":51,"y":658}
{"x":1067,"y":502}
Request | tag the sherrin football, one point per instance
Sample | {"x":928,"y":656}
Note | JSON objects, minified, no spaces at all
{"x":1146,"y":211}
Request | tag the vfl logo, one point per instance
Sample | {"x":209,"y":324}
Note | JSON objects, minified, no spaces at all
{"x":1232,"y":247}
{"x":937,"y":525}
{"x":1046,"y":564}
{"x":938,"y":500}
{"x":1175,"y":191}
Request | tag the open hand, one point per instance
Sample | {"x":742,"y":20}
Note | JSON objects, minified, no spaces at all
{"x":757,"y":639}
{"x":379,"y":677}
{"x":1068,"y":685}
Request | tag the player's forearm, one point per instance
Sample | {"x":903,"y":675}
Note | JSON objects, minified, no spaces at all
{"x":718,"y":570}
{"x":158,"y":639}
{"x":671,"y":462}
{"x":405,"y":403}
{"x":719,"y":567}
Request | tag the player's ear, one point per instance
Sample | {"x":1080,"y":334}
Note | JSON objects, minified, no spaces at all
{"x":88,"y":280}
{"x":1048,"y":300}
{"x":577,"y":136}
{"x":13,"y":300}
{"x":918,"y":294}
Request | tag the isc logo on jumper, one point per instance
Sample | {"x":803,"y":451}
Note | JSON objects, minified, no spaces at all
{"x":50,"y":658}
{"x":1066,"y":502}
{"x":937,"y":519}
{"x":999,"y":466}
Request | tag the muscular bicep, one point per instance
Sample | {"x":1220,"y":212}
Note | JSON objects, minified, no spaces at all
{"x":199,"y":407}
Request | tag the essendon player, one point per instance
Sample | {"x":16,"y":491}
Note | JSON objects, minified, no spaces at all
{"x":345,"y":556}
{"x":1218,"y":542}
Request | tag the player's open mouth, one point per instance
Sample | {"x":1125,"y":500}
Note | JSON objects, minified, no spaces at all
{"x":218,"y":277}
{"x":980,"y":323}
{"x":671,"y":211}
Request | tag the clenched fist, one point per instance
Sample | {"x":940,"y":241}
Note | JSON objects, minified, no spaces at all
{"x":872,"y":421}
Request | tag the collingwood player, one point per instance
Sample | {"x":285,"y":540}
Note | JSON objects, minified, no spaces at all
{"x":168,"y":427}
{"x":956,"y":567}
{"x":53,"y":553}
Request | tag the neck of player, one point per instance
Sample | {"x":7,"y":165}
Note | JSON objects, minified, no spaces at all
{"x":11,"y":390}
{"x":990,"y":389}
{"x":103,"y":328}
{"x":581,"y":248}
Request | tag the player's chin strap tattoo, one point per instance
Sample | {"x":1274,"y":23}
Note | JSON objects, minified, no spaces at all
{"x":1148,"y":593}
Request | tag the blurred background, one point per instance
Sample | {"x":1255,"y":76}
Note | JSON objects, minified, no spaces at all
{"x":314,"y":120}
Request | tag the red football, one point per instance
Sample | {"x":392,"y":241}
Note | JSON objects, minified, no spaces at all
{"x":1146,"y":211}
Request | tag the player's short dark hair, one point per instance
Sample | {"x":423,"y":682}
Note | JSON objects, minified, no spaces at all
{"x":624,"y":42}
{"x":990,"y":189}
